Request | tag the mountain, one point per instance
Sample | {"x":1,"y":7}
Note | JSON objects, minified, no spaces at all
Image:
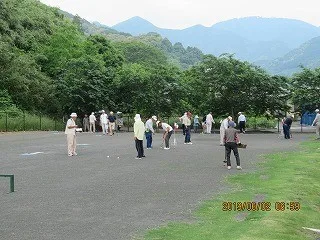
{"x":175,"y":53}
{"x":307,"y":55}
{"x":251,"y":38}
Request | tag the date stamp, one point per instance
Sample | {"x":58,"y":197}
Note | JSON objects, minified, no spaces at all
{"x":261,"y":206}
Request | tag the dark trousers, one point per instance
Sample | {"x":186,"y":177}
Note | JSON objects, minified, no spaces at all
{"x":188,"y":135}
{"x":286,"y":131}
{"x":139,"y":147}
{"x":242,"y":126}
{"x":183,"y":129}
{"x":232,"y":146}
{"x":149,"y":139}
{"x":166,"y":140}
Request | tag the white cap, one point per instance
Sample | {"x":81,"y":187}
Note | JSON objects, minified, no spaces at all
{"x":73,"y":115}
{"x":102,"y":111}
{"x":154,"y":118}
{"x":317,"y":110}
{"x":137,"y":117}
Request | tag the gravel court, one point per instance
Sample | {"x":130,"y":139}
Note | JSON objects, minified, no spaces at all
{"x":104,"y":192}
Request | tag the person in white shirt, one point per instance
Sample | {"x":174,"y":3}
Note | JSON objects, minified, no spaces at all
{"x":70,"y":131}
{"x":242,"y":122}
{"x":209,"y":121}
{"x":224,"y":125}
{"x":187,"y":122}
{"x":150,"y":130}
{"x":139,"y":130}
{"x":104,"y":122}
{"x":182,"y":120}
{"x":92,"y":121}
{"x":316,"y":122}
{"x":168,"y":130}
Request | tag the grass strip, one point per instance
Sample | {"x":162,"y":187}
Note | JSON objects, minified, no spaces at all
{"x":289,"y":182}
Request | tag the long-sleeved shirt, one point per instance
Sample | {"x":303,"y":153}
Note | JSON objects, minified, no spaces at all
{"x":139,"y":129}
{"x":224,"y":123}
{"x":104,"y":118}
{"x":316,"y":120}
{"x":231,"y":135}
{"x":241,"y":118}
{"x":92,"y":118}
{"x":209,"y":118}
{"x":149,"y":125}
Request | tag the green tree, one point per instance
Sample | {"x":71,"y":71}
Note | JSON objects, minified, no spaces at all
{"x":306,"y":89}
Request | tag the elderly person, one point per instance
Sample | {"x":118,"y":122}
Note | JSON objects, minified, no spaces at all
{"x":139,"y":130}
{"x":85,"y":123}
{"x":183,"y":120}
{"x":224,"y":125}
{"x":209,"y":121}
{"x":242,"y":122}
{"x":168,"y":130}
{"x":104,"y":122}
{"x":92,"y":121}
{"x":70,"y":131}
{"x":231,"y":141}
{"x":187,"y":122}
{"x":112,"y":123}
{"x":150,"y":130}
{"x":286,"y":127}
{"x":316,"y":122}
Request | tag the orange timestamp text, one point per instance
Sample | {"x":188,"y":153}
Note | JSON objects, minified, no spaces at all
{"x":260,"y":206}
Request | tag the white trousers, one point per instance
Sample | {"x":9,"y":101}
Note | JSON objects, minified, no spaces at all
{"x":92,"y":127}
{"x":72,"y":143}
{"x":209,"y":126}
{"x":222,"y":132}
{"x":104,"y":128}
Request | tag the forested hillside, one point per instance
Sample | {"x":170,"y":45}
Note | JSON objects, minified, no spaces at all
{"x":307,"y":55}
{"x":49,"y":64}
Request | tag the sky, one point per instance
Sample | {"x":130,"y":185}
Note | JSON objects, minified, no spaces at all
{"x":180,"y":14}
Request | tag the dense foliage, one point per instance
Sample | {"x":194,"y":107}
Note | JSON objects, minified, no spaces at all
{"x":49,"y":64}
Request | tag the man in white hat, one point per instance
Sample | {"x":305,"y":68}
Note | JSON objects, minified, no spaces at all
{"x":71,"y":135}
{"x":150,"y":130}
{"x":104,"y":122}
{"x":242,"y":122}
{"x":316,"y":122}
{"x":139,"y":130}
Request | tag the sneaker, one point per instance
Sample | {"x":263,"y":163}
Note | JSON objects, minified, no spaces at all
{"x":138,"y":158}
{"x":166,"y":148}
{"x":70,"y":155}
{"x":75,"y":154}
{"x":239,"y":168}
{"x":229,"y":167}
{"x":190,"y":143}
{"x":185,"y":143}
{"x":143,"y":156}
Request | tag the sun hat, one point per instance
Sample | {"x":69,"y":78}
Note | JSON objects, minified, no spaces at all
{"x":102,"y":111}
{"x":73,"y":115}
{"x":137,"y":117}
{"x":230,"y":118}
{"x":154,"y":118}
{"x":317,"y":110}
